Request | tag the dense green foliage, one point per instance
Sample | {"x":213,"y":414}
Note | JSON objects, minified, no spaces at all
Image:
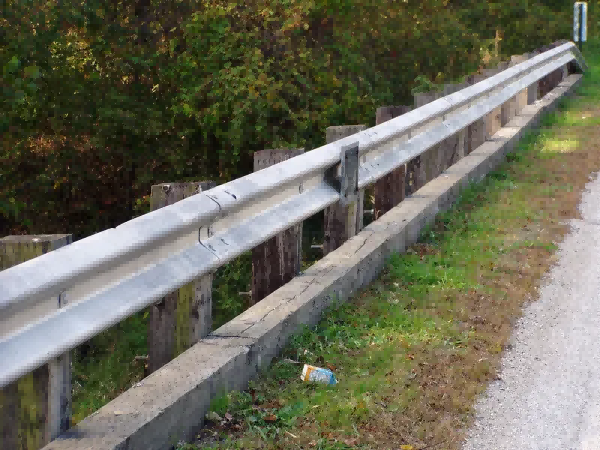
{"x":102,"y":99}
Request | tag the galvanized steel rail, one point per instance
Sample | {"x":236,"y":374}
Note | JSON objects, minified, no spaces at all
{"x":111,"y":275}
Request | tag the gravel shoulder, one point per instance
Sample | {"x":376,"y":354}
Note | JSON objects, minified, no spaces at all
{"x":547,"y":395}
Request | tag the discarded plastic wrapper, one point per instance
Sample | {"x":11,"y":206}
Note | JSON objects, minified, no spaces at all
{"x":312,"y":373}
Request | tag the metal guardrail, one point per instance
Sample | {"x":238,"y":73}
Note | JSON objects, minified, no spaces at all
{"x":111,"y":275}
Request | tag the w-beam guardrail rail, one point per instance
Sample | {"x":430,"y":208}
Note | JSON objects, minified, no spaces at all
{"x":107,"y":277}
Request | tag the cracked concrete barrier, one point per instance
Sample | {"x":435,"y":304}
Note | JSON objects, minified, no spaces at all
{"x":169,"y":405}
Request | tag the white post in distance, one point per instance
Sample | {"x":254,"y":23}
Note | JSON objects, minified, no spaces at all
{"x":579,"y":23}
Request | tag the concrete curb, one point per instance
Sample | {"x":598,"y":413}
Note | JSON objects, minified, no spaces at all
{"x":169,"y":405}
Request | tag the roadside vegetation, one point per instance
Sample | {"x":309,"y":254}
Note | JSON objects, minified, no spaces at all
{"x":101,"y":100}
{"x":413,"y":350}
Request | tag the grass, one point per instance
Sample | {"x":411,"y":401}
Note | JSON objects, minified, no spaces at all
{"x":113,"y":361}
{"x":107,"y":365}
{"x":110,"y":363}
{"x":414,"y":350}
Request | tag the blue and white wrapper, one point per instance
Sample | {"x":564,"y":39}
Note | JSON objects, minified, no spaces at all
{"x":318,"y":375}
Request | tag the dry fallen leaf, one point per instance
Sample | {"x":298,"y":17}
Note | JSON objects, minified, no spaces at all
{"x":270,"y":418}
{"x":351,"y":442}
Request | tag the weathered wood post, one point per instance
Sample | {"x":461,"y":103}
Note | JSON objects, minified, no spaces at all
{"x":342,"y":222}
{"x":545,"y":83}
{"x":183,"y":317}
{"x":559,"y":74}
{"x":509,"y":108}
{"x":35,"y":409}
{"x":550,"y":81}
{"x":564,"y":69}
{"x":278,"y":260}
{"x":437,"y":159}
{"x":454,"y":148}
{"x":521,"y":97}
{"x":427,"y":166}
{"x":493,"y":120}
{"x":389,"y":190}
{"x":533,"y":91}
{"x":570,"y":67}
{"x":477,"y":130}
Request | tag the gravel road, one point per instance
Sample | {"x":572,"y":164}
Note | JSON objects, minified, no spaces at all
{"x":548,"y":394}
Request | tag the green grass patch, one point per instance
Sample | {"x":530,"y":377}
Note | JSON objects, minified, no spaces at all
{"x":106,"y":366}
{"x":426,"y":308}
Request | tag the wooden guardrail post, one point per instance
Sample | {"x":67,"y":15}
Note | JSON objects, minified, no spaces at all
{"x":454,"y":148}
{"x":533,"y":91}
{"x":542,"y":83}
{"x":183,"y":317}
{"x":437,"y":159}
{"x":36,"y":408}
{"x":550,"y":81}
{"x":342,"y":222}
{"x":389,"y":190}
{"x":427,"y":166}
{"x":568,"y":68}
{"x":278,"y":260}
{"x":493,"y":120}
{"x":521,"y":97}
{"x":477,"y":130}
{"x":509,"y":108}
{"x":559,"y":74}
